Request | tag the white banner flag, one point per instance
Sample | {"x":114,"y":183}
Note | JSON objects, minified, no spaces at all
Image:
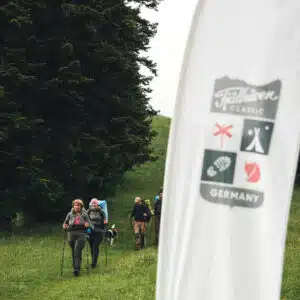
{"x":232,"y":153}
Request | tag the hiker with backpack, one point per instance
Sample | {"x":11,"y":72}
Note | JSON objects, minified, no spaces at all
{"x":99,"y":221}
{"x":76,"y":223}
{"x":141,"y":215}
{"x":157,"y":212}
{"x":157,"y":195}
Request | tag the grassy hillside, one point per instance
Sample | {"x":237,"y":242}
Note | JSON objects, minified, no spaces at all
{"x":291,"y":276}
{"x":30,"y":263}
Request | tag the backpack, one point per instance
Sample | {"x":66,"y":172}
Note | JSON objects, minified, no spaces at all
{"x":148,"y":204}
{"x":103,"y":205}
{"x":149,"y":215}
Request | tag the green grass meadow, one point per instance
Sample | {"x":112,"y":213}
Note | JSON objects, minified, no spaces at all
{"x":30,"y":262}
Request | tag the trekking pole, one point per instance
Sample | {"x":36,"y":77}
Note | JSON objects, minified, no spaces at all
{"x":87,"y":257}
{"x":152,"y":232}
{"x":131,"y":226}
{"x":63,"y":254}
{"x":106,"y":254}
{"x":150,"y":229}
{"x":88,"y":230}
{"x":141,"y":237}
{"x":145,"y":240}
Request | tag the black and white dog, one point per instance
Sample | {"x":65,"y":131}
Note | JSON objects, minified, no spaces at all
{"x":111,"y":234}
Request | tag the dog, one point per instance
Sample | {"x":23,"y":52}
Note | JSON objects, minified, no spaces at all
{"x":111,"y":234}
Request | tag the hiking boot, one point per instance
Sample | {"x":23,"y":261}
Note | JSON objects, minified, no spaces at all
{"x":93,"y":266}
{"x":76,"y":272}
{"x":137,"y":244}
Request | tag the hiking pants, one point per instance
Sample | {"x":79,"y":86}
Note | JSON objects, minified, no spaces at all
{"x":139,"y":231}
{"x":95,"y":241}
{"x":77,"y":240}
{"x":157,"y":227}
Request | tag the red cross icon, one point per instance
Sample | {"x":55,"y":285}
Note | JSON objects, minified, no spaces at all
{"x":223,"y":130}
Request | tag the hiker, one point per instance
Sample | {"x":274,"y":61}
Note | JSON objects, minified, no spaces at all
{"x":157,"y":212}
{"x":157,"y":195}
{"x":141,"y":213}
{"x":98,"y":219}
{"x":76,"y":223}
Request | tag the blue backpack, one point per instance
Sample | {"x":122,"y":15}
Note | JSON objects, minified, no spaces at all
{"x":103,"y":205}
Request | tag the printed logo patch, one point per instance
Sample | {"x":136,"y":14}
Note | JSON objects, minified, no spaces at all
{"x":234,"y":96}
{"x":231,"y":196}
{"x":218,"y":166}
{"x":223,"y":131}
{"x":239,"y":100}
{"x":252,"y":171}
{"x":257,"y":136}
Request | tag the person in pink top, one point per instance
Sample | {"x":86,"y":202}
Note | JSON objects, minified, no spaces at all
{"x":76,"y":223}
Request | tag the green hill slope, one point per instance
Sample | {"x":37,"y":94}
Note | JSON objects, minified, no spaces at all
{"x":30,"y":264}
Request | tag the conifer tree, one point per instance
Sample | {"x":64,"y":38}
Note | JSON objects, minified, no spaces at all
{"x":75,"y":111}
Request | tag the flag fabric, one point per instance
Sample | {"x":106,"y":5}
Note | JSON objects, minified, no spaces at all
{"x":232,"y":153}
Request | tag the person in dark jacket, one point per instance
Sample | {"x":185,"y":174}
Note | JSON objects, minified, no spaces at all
{"x":157,"y":195}
{"x":157,"y":212}
{"x":76,"y":223}
{"x":98,"y":219}
{"x":141,"y":214}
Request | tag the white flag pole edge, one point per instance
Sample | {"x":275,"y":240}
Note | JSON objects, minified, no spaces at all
{"x":167,"y":204}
